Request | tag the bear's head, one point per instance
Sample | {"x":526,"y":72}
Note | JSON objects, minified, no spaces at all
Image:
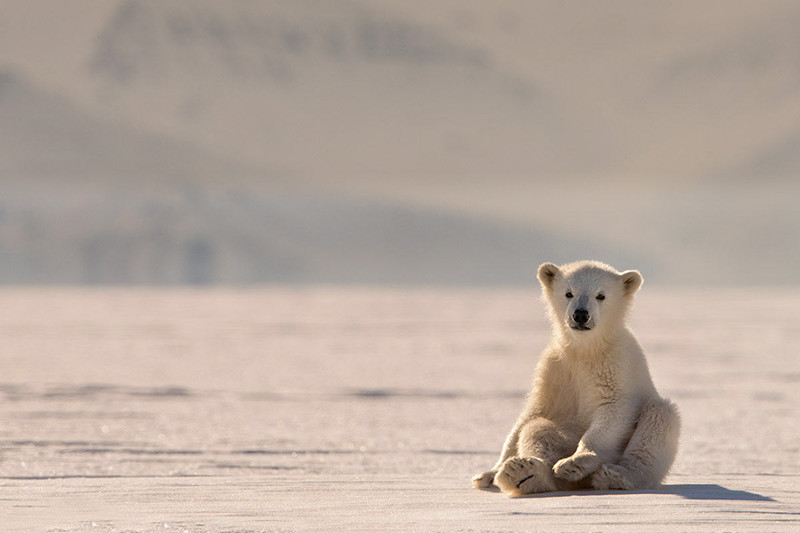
{"x":587,"y":297}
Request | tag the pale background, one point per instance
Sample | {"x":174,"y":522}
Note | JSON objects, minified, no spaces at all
{"x":270,"y":265}
{"x":452,"y":142}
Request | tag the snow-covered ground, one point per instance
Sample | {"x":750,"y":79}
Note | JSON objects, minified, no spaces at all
{"x":354,"y":409}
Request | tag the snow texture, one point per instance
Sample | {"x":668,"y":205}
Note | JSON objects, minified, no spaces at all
{"x":328,"y":409}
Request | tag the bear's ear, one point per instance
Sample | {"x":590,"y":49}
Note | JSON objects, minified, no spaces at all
{"x":548,"y":272}
{"x":631,"y":281}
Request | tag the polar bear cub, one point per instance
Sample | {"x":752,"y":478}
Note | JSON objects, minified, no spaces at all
{"x":593,"y":418}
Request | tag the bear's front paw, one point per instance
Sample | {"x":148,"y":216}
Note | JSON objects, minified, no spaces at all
{"x":611,"y":477}
{"x":485,"y":480}
{"x":576,"y":467}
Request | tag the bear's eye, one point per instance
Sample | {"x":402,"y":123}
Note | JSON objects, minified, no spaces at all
{"x":568,"y":295}
{"x":601,"y":296}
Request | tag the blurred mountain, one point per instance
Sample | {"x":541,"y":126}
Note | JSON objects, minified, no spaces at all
{"x":392,"y":98}
{"x":45,"y":139}
{"x":376,"y":95}
{"x":461,"y":141}
{"x":198,"y":235}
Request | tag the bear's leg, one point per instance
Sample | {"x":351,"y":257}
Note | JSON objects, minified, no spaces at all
{"x":649,"y":453}
{"x":541,"y":443}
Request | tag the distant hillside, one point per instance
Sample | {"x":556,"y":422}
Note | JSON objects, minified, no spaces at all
{"x":396,"y":98}
{"x":371,"y":94}
{"x":91,"y":200}
{"x":166,"y":141}
{"x":232,"y":236}
{"x":263,"y":41}
{"x":46,"y":139}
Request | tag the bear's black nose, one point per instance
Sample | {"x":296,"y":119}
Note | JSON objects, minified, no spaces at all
{"x":580,"y":316}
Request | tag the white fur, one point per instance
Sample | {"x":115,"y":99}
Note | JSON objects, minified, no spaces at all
{"x":593,"y":418}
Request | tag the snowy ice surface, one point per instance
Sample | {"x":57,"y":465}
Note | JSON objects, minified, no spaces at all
{"x":366,"y":409}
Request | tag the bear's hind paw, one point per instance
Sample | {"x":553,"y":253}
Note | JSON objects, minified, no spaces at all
{"x":524,"y":475}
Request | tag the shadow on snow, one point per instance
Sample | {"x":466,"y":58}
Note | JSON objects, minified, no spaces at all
{"x":711,"y":492}
{"x":690,"y":492}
